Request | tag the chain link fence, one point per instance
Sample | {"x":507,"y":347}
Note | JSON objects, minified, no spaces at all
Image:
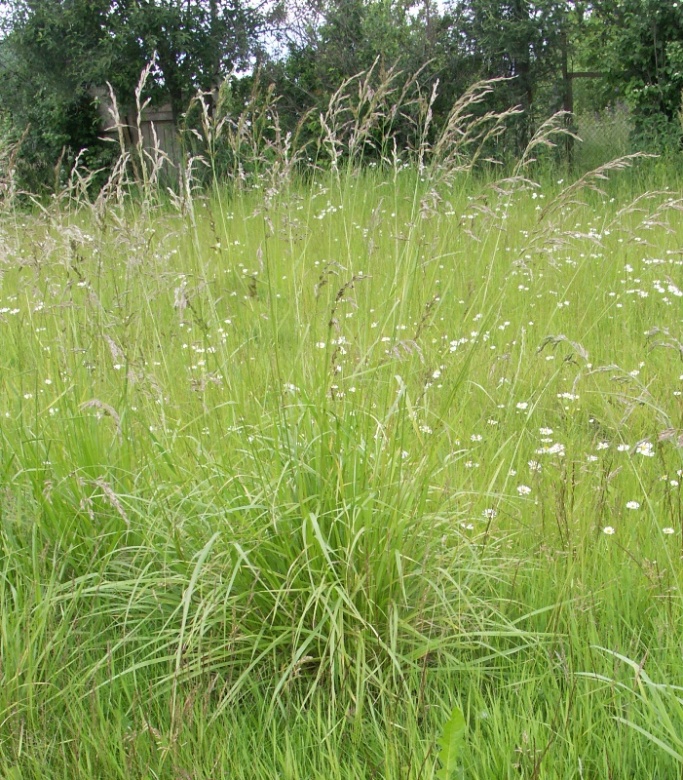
{"x":604,"y":134}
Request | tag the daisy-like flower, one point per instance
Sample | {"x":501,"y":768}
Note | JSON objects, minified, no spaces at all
{"x":632,"y":505}
{"x":523,"y":490}
{"x":489,"y":514}
{"x":608,"y":530}
{"x":646,"y":449}
{"x":668,"y":531}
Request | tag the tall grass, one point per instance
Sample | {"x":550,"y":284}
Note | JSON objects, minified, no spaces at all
{"x":290,"y":468}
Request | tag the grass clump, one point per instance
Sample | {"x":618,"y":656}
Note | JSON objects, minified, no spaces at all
{"x":292,"y":474}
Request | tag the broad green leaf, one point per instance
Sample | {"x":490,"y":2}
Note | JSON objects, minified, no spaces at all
{"x":450,"y":743}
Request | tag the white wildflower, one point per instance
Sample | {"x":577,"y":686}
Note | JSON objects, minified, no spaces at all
{"x":646,"y":449}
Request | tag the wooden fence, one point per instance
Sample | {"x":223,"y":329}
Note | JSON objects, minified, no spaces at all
{"x":155,"y":124}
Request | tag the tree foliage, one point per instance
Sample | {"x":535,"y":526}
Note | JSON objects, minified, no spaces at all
{"x":639,"y":46}
{"x":523,"y":42}
{"x":56,"y":55}
{"x":58,"y":52}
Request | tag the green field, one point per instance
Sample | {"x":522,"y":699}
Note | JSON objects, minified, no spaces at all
{"x":287,"y":474}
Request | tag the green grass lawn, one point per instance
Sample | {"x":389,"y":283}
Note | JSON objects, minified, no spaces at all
{"x":287,"y":476}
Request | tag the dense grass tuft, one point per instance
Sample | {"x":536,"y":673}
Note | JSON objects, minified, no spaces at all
{"x":288,"y":473}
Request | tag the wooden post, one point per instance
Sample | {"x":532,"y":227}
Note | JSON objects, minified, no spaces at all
{"x":567,"y":99}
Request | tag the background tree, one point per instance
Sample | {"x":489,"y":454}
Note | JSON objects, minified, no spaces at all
{"x":55,"y":52}
{"x":638,"y":44}
{"x":522,"y":41}
{"x":46,"y":72}
{"x":343,"y":38}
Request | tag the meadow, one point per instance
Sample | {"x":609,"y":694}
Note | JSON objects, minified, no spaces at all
{"x":289,"y":472}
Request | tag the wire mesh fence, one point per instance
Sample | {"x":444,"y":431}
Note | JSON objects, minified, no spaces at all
{"x":604,"y":135}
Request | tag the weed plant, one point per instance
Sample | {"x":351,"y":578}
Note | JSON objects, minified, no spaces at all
{"x":291,"y":468}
